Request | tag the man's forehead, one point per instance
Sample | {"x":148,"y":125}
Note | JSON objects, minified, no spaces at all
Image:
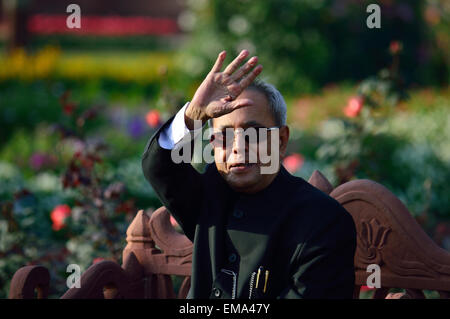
{"x":251,"y":123}
{"x":248,"y":116}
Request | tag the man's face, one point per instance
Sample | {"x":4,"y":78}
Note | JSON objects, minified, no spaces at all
{"x":234,"y":162}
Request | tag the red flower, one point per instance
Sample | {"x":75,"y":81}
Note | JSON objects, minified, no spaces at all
{"x":97,"y":260}
{"x":69,"y":107}
{"x":395,"y":47}
{"x":153,"y":118}
{"x":58,"y":215}
{"x":126,"y":207}
{"x":366,"y":288}
{"x":354,"y":106}
{"x":103,"y":25}
{"x":293,"y":162}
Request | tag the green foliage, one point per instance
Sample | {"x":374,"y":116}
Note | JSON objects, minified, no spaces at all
{"x":96,"y":43}
{"x":304,"y":44}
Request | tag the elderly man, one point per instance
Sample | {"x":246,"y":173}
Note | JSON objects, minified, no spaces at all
{"x":255,"y":234}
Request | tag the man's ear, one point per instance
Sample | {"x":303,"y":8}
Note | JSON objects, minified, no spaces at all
{"x":284,"y":138}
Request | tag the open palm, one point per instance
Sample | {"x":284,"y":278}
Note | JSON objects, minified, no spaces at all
{"x":217,"y":94}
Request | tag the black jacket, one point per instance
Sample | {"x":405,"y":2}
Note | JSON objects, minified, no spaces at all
{"x":303,"y":237}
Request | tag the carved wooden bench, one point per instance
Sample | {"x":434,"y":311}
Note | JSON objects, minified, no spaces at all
{"x":387,"y":235}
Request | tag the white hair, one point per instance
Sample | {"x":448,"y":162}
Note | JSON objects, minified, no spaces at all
{"x":276,"y":101}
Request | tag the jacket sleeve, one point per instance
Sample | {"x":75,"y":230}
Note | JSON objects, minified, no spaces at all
{"x":323,"y":267}
{"x":179,"y":186}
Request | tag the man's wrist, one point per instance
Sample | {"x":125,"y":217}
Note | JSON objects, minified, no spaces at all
{"x":192,"y":114}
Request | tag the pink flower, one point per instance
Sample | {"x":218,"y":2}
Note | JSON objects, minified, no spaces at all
{"x":293,"y":162}
{"x":58,"y":216}
{"x":354,"y":106}
{"x":366,"y":288}
{"x":37,"y":161}
{"x":41,"y":160}
{"x":153,"y":118}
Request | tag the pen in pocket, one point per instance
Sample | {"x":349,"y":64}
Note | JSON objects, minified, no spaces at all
{"x":265,"y":281}
{"x":257,"y":287}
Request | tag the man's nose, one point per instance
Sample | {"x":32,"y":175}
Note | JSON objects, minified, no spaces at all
{"x":239,"y":144}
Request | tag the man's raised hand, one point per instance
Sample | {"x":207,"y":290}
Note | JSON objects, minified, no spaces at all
{"x":217,"y":94}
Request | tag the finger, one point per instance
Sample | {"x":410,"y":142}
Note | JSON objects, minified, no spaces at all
{"x":233,"y":105}
{"x":219,"y":62}
{"x":237,"y":104}
{"x":244,"y":69}
{"x":236,"y":62}
{"x":250,"y":77}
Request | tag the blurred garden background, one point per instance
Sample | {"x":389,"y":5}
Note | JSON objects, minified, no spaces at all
{"x":77,"y":107}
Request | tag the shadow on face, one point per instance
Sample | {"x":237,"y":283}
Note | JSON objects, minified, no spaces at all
{"x":234,"y":161}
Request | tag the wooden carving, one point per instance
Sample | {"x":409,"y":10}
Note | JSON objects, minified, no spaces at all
{"x":319,"y":181}
{"x":103,"y":280}
{"x":27,"y":280}
{"x":389,"y":236}
{"x":161,"y":251}
{"x":372,"y":240}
